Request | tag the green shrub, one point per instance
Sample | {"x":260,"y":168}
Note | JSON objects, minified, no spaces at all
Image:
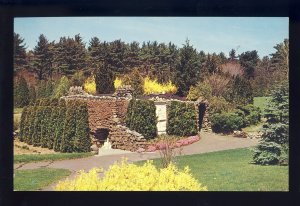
{"x":22,"y":123}
{"x":29,"y":128}
{"x":21,"y":93}
{"x":219,"y":105}
{"x":141,"y":117}
{"x":37,"y":128}
{"x":77,"y":79}
{"x":32,"y":94}
{"x":226,"y":122}
{"x":252,"y":114}
{"x":202,"y":89}
{"x":62,"y":88}
{"x":82,"y":141}
{"x":59,"y":126}
{"x":44,"y":141}
{"x":44,"y":89}
{"x":267,"y":153}
{"x":182,"y":119}
{"x":52,"y":125}
{"x":69,"y":129}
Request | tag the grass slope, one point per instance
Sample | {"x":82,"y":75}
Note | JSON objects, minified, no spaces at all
{"x":48,"y":157}
{"x":231,"y":170}
{"x":261,"y":102}
{"x":31,"y":180}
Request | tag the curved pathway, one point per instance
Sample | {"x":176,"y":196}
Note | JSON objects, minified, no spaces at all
{"x":209,"y":142}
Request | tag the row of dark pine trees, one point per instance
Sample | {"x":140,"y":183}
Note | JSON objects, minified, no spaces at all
{"x":56,"y":124}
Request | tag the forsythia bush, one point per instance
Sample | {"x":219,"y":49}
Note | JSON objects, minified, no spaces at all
{"x":90,"y":85}
{"x":130,"y":177}
{"x":118,"y":83}
{"x":152,"y":86}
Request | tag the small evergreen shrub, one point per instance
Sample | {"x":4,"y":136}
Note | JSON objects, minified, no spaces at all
{"x":252,"y":114}
{"x":37,"y":128}
{"x":141,"y":117}
{"x":62,"y":88}
{"x":21,"y":93}
{"x":69,"y":129}
{"x":45,"y":135}
{"x":267,"y":153}
{"x":219,"y":105}
{"x":60,"y":125}
{"x":226,"y":122}
{"x":82,"y":141}
{"x":182,"y":119}
{"x":23,"y":123}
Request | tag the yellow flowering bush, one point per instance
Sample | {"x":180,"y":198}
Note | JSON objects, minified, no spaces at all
{"x":130,"y":177}
{"x":118,"y":83}
{"x":90,"y":85}
{"x":152,"y":86}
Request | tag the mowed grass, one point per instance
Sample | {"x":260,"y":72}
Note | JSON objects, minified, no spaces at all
{"x":49,"y":157}
{"x":231,"y":170}
{"x":36,"y":179}
{"x":261,"y":102}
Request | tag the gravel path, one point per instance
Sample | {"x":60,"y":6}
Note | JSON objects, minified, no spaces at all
{"x":209,"y":142}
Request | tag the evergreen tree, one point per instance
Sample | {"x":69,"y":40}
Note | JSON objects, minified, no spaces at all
{"x":43,"y":58}
{"x":67,"y":141}
{"x":187,"y":69}
{"x":232,"y":55}
{"x":62,"y":88}
{"x":104,"y":79}
{"x":82,"y":141}
{"x":280,"y":59}
{"x":60,"y":125}
{"x":136,"y":81}
{"x":249,"y":62}
{"x":45,"y":135}
{"x":274,"y":146}
{"x":23,"y":124}
{"x":71,"y":55}
{"x":31,"y":124}
{"x":32,"y":94}
{"x":240,"y":92}
{"x":20,"y":61}
{"x":37,"y":128}
{"x":21,"y":91}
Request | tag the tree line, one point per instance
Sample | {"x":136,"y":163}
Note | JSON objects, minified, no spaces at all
{"x":184,"y":66}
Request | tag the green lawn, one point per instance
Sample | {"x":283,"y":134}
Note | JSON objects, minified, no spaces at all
{"x":231,"y":170}
{"x":46,"y":157}
{"x":261,"y":102}
{"x":30,"y":180}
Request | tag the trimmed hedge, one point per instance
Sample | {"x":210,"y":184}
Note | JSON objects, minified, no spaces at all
{"x":182,"y":119}
{"x":226,"y":122}
{"x":141,"y":117}
{"x":49,"y":123}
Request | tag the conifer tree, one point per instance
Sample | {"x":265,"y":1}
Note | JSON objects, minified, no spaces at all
{"x":45,"y":135}
{"x":104,"y":79}
{"x":187,"y":69}
{"x":21,"y":91}
{"x":20,"y":61}
{"x":60,"y":125}
{"x":37,"y":130}
{"x":82,"y":141}
{"x":67,"y":141}
{"x":23,"y":124}
{"x":31,"y":124}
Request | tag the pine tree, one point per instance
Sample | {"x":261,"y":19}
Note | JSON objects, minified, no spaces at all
{"x":187,"y":69}
{"x":249,"y":60}
{"x":20,"y":61}
{"x":104,"y":79}
{"x":43,"y":58}
{"x":274,"y":146}
{"x":280,"y":59}
{"x":240,"y":92}
{"x":82,"y":141}
{"x":21,"y":91}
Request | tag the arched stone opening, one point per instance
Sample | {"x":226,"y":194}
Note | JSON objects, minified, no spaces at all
{"x":201,"y":113}
{"x":101,"y":135}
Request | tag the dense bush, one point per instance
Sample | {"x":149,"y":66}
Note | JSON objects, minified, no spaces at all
{"x":21,"y":91}
{"x":141,"y":117}
{"x":130,"y":177}
{"x":252,"y":114}
{"x":44,"y":89}
{"x":82,"y":140}
{"x":62,"y":87}
{"x":219,"y":105}
{"x":202,"y":89}
{"x":226,"y":122}
{"x":182,"y":119}
{"x":77,"y":79}
{"x":53,"y":125}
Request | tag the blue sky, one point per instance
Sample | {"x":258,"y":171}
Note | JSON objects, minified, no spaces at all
{"x":210,"y":34}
